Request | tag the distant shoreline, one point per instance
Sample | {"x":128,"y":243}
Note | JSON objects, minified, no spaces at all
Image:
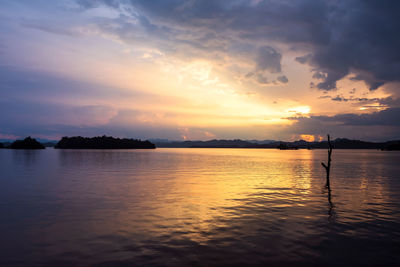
{"x":78,"y":142}
{"x":340,"y":143}
{"x":105,"y":142}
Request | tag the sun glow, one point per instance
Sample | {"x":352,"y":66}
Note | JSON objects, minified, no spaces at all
{"x":300,"y":110}
{"x":311,"y":138}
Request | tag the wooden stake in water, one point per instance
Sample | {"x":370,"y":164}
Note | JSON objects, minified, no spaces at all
{"x":328,"y":167}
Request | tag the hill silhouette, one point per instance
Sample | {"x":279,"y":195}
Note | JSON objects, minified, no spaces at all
{"x":27,"y":143}
{"x":102,"y":142}
{"x":392,"y":146}
{"x":1,"y":145}
{"x":339,"y":143}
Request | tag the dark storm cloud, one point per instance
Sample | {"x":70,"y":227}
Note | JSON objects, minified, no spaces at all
{"x":268,"y":59}
{"x":377,"y":126}
{"x":341,"y":37}
{"x":388,"y":117}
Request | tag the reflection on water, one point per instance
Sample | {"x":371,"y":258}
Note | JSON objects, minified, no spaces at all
{"x":198,"y":206}
{"x":331,"y":212}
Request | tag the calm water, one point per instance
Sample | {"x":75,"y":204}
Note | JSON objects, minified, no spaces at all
{"x":198,"y":207}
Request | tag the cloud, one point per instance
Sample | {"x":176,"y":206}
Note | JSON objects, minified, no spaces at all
{"x":283,"y":79}
{"x":97,"y":3}
{"x":304,"y":59}
{"x":338,"y":38}
{"x":8,"y":136}
{"x":23,"y":114}
{"x":339,"y":98}
{"x":344,"y":36}
{"x":195,"y":134}
{"x":360,"y":40}
{"x":388,"y":117}
{"x":33,"y":101}
{"x":379,"y":102}
{"x":262,"y":79}
{"x":27,"y":84}
{"x":378,"y":126}
{"x":356,"y":39}
{"x":268,"y":59}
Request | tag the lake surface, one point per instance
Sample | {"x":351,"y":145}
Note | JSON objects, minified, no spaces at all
{"x":200,"y":207}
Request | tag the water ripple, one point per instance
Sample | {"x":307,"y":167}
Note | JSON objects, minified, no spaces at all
{"x":174,"y":207}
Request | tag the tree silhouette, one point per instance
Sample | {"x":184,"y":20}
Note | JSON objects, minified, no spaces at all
{"x":328,"y":167}
{"x":102,"y":142}
{"x":27,"y":143}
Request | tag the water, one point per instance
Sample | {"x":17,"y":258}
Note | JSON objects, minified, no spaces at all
{"x":201,"y":207}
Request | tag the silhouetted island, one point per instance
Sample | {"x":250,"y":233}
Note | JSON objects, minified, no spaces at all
{"x":1,"y":145}
{"x":27,"y":143}
{"x":102,"y":142}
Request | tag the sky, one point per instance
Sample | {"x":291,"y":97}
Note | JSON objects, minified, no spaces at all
{"x":200,"y":69}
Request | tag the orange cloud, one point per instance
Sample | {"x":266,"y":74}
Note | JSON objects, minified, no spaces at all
{"x":307,"y":137}
{"x":311,"y":138}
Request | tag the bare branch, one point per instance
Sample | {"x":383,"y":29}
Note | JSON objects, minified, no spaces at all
{"x":328,"y":167}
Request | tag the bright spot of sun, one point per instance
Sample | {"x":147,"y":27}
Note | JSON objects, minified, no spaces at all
{"x":300,"y":110}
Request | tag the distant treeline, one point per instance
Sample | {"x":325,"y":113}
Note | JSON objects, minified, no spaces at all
{"x":105,"y":142}
{"x":340,"y":143}
{"x":102,"y":142}
{"x":27,"y":143}
{"x":393,"y":146}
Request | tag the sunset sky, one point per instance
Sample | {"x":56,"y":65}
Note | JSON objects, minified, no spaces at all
{"x":200,"y":69}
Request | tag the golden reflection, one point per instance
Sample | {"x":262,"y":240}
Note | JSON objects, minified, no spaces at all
{"x":194,"y":194}
{"x":208,"y":184}
{"x":146,"y":201}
